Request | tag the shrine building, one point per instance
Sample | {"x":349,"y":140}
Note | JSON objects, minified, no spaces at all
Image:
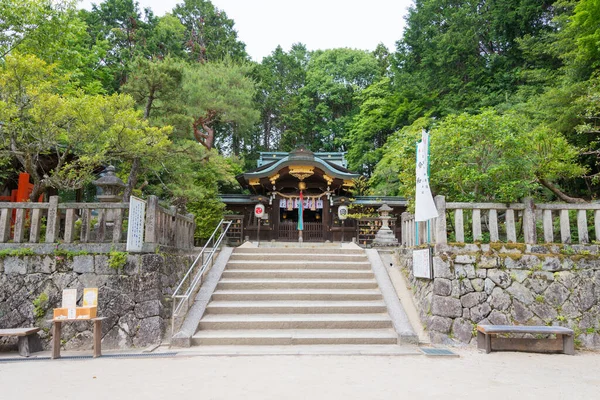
{"x":324,"y":183}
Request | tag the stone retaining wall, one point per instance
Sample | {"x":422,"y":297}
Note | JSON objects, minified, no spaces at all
{"x":135,"y":299}
{"x":508,"y":284}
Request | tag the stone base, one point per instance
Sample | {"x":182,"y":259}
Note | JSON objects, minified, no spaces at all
{"x":385,"y":237}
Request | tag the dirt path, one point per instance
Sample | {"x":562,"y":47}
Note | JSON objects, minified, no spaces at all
{"x":495,"y":376}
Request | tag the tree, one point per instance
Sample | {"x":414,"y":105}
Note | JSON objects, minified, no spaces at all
{"x":210,"y":34}
{"x":156,"y":85}
{"x":120,"y":25}
{"x":60,"y":138}
{"x":280,"y":77}
{"x":371,"y":127}
{"x":462,"y":56}
{"x":483,"y":157}
{"x":219,"y":95}
{"x":328,"y":101}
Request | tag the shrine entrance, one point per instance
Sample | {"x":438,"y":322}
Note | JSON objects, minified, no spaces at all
{"x":313,"y":226}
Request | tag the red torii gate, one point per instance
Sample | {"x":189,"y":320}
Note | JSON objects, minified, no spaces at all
{"x":22,"y":192}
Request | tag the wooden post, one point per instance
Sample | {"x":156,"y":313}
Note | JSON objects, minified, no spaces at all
{"x":5,"y":225}
{"x":565,"y":228}
{"x":582,"y":229}
{"x":597,"y":224}
{"x":53,"y":220}
{"x":493,"y":217}
{"x":56,"y":325}
{"x":459,"y":228}
{"x":69,"y":225}
{"x":477,"y":225}
{"x":97,"y":337}
{"x":151,"y":222}
{"x":118,"y":225}
{"x":101,"y":225}
{"x":86,"y":220}
{"x":441,"y":236}
{"x":19,"y":225}
{"x":511,"y":231}
{"x":192,"y":230}
{"x":34,"y":229}
{"x":548,"y":228}
{"x":174,"y":223}
{"x":529,"y":229}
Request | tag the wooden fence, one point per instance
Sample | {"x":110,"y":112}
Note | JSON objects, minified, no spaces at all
{"x":525,"y":222}
{"x":55,"y":222}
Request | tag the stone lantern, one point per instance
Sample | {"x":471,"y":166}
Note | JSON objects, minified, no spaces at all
{"x":385,"y":236}
{"x":111,"y":186}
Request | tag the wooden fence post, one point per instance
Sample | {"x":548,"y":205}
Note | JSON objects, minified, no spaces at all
{"x":151,"y":223}
{"x":529,"y":229}
{"x":441,"y":236}
{"x":53,"y":220}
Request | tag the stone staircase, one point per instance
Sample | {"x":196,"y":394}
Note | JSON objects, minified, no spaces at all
{"x":296,"y":296}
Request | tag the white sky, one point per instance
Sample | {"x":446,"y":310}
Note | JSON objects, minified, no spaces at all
{"x":319,"y":24}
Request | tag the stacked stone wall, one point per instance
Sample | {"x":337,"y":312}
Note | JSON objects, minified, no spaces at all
{"x":135,"y":299}
{"x":511,"y":284}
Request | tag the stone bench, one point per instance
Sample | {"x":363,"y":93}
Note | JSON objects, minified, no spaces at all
{"x":564,"y":342}
{"x":28,"y":340}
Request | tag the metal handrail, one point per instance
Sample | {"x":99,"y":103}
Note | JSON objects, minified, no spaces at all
{"x":180,"y":299}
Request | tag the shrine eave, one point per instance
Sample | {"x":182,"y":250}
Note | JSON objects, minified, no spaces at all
{"x":266,"y":171}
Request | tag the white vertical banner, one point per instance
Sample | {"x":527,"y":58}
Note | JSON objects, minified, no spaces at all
{"x":135,"y":225}
{"x":424,"y":204}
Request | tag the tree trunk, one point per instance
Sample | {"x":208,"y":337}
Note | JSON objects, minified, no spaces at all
{"x":38,"y":190}
{"x":203,"y":132}
{"x":560,"y":194}
{"x":149,"y":105}
{"x":132,"y":180}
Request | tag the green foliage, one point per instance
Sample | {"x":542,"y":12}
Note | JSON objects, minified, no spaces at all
{"x":539,"y":298}
{"x":40,"y":305}
{"x":68,"y":254}
{"x":20,"y":252}
{"x":117,"y":259}
{"x":483,"y":157}
{"x":210,"y":33}
{"x":219,"y":99}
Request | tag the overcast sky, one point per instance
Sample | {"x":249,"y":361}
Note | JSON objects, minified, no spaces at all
{"x":319,"y":24}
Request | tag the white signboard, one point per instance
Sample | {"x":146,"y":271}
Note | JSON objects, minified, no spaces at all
{"x":422,"y":263}
{"x":135,"y":227}
{"x":424,"y":204}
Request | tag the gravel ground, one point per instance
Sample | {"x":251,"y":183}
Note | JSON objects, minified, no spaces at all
{"x":494,"y":376}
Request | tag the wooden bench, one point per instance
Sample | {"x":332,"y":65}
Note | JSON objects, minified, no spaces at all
{"x":28,"y":340}
{"x":564,"y":342}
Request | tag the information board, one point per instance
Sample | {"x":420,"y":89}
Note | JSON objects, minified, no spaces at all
{"x":422,"y":263}
{"x":69,"y":298}
{"x":90,"y":297}
{"x":135,"y":226}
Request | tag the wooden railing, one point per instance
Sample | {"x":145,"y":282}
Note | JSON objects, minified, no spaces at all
{"x":525,"y":222}
{"x":55,"y":222}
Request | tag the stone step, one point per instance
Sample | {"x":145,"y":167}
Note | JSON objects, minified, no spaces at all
{"x":299,"y":264}
{"x":307,"y":249}
{"x":296,"y":307}
{"x":230,"y":284}
{"x":294,"y":337}
{"x":297,"y":274}
{"x":312,"y":256}
{"x":297,"y":294}
{"x":295,"y":321}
